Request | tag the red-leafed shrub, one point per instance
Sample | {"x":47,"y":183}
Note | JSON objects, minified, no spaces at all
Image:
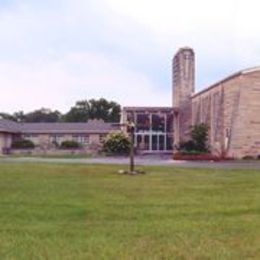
{"x":195,"y":156}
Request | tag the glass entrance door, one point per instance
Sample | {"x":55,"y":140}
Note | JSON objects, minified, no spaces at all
{"x":161,"y":143}
{"x":142,"y":141}
{"x":155,"y":142}
{"x":158,"y":142}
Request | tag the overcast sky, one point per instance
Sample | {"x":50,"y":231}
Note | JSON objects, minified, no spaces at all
{"x":55,"y":52}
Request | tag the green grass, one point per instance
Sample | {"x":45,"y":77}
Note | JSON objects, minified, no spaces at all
{"x":51,"y":211}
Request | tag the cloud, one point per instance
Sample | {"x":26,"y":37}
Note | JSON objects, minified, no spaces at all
{"x":54,"y":53}
{"x":58,"y":54}
{"x":58,"y":84}
{"x":176,"y":17}
{"x":225,"y":34}
{"x":247,"y":33}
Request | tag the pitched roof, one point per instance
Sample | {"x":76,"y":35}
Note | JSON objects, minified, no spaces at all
{"x":9,"y":126}
{"x":232,"y":76}
{"x":150,"y":109}
{"x":92,"y":126}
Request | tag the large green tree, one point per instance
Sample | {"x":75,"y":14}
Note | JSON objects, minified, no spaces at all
{"x":42,"y":115}
{"x":84,"y":110}
{"x":7,"y":116}
{"x":78,"y":113}
{"x":109,"y":111}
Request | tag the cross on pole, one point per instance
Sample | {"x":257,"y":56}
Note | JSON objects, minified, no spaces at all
{"x":131,"y":127}
{"x":131,"y":130}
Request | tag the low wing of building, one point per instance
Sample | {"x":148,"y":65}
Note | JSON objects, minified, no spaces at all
{"x":48,"y":135}
{"x":8,"y":130}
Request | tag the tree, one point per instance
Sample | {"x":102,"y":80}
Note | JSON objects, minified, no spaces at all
{"x":19,"y":116}
{"x":103,"y":109}
{"x":42,"y":115}
{"x":117,"y":143}
{"x":84,"y":110}
{"x":7,"y":116}
{"x":78,"y":113}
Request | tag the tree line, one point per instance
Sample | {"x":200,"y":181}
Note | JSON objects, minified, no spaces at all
{"x":82,"y":111}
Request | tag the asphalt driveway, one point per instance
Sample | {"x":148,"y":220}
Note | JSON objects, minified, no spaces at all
{"x":144,"y":160}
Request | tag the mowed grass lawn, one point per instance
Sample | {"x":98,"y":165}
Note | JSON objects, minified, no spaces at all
{"x":51,"y":211}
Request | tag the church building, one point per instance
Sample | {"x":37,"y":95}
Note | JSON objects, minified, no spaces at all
{"x":230,"y":108}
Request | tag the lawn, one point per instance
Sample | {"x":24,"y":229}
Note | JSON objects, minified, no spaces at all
{"x":61,"y":211}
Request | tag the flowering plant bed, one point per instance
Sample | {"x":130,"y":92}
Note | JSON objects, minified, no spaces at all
{"x":195,"y":156}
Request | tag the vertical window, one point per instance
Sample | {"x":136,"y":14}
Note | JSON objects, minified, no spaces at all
{"x":169,"y":142}
{"x":130,"y":117}
{"x":143,"y":123}
{"x":169,"y":124}
{"x":158,"y":123}
{"x":55,"y":138}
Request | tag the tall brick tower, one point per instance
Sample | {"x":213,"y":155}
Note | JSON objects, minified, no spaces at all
{"x":183,"y":70}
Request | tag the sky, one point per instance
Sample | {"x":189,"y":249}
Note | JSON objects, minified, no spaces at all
{"x":56,"y":52}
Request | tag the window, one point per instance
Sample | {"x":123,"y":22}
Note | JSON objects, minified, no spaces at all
{"x":30,"y":136}
{"x":55,"y":138}
{"x":130,"y":117}
{"x":169,"y":124}
{"x":81,"y":138}
{"x":143,"y":123}
{"x":158,"y":123}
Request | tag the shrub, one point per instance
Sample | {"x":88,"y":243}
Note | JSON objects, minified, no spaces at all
{"x":23,"y":144}
{"x":116,"y":143}
{"x":195,"y":156}
{"x":69,"y":144}
{"x":248,"y":157}
{"x":199,"y":135}
{"x":198,"y":142}
{"x":187,"y":146}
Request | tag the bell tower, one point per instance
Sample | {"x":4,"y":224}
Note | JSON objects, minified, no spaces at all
{"x":183,"y":81}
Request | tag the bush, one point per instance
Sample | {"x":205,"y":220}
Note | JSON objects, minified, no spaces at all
{"x":69,"y":144}
{"x":116,"y":143}
{"x":248,"y":157}
{"x":23,"y":144}
{"x":195,"y":156}
{"x":188,"y":146}
{"x":199,"y":135}
{"x":198,"y":142}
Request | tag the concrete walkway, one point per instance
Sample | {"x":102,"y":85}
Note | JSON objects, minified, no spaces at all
{"x":144,"y":160}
